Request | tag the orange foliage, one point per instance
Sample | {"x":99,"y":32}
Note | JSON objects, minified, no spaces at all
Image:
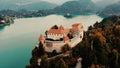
{"x":92,"y":66}
{"x":100,"y":37}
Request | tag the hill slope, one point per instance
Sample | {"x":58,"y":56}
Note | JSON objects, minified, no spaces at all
{"x":113,"y":9}
{"x":78,"y":7}
{"x":18,"y":5}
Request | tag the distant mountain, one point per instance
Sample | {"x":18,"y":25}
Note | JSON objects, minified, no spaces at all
{"x":78,"y":7}
{"x":39,"y":6}
{"x":113,"y":9}
{"x":105,"y":3}
{"x":25,"y":14}
{"x":18,"y":5}
{"x":8,"y":12}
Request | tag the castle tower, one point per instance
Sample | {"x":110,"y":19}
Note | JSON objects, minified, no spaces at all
{"x":77,"y":27}
{"x":41,"y":38}
{"x":66,"y":38}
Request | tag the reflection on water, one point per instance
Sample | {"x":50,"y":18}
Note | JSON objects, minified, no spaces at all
{"x":18,"y":39}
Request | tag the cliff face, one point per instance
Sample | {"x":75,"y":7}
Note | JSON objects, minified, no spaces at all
{"x":100,"y":47}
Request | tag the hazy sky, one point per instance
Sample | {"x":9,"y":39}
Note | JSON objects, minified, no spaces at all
{"x":57,"y":1}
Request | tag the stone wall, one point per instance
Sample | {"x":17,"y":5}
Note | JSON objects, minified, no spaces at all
{"x":57,"y":45}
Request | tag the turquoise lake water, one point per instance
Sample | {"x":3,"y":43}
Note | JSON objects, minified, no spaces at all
{"x":17,"y":40}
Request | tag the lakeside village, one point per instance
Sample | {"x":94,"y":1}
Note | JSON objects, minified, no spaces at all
{"x":59,"y":41}
{"x":6,"y":20}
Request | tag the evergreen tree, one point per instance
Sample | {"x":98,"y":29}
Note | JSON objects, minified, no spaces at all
{"x":54,"y":27}
{"x":41,"y":50}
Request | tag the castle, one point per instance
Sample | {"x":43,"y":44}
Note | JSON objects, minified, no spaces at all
{"x":55,"y":39}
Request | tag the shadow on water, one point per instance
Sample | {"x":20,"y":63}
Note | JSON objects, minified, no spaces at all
{"x":2,"y":27}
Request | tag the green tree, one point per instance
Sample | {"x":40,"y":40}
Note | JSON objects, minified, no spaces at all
{"x":84,"y":51}
{"x":90,"y":27}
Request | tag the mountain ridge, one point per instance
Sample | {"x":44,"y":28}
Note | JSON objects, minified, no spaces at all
{"x":111,"y":10}
{"x":79,"y":7}
{"x":40,"y":5}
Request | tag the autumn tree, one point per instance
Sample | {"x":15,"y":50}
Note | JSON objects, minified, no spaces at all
{"x":114,"y":59}
{"x":44,"y":62}
{"x":61,"y":64}
{"x":65,"y":48}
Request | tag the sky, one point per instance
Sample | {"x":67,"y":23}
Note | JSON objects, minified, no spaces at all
{"x":57,"y":1}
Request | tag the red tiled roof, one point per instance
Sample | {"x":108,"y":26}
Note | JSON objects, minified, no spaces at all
{"x":61,"y":27}
{"x":41,"y":38}
{"x":60,"y":30}
{"x":77,"y":27}
{"x":66,"y":38}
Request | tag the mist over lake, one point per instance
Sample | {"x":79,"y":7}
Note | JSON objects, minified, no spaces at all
{"x":18,"y":39}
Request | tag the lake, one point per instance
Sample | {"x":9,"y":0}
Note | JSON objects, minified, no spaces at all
{"x":17,"y":40}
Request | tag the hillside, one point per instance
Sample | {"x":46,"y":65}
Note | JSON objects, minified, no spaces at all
{"x":104,"y":3}
{"x":25,"y":13}
{"x":39,"y":6}
{"x":77,"y":7}
{"x":31,"y":6}
{"x":111,"y":10}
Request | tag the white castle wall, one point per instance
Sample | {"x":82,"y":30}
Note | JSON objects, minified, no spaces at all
{"x":56,"y":36}
{"x":57,"y":45}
